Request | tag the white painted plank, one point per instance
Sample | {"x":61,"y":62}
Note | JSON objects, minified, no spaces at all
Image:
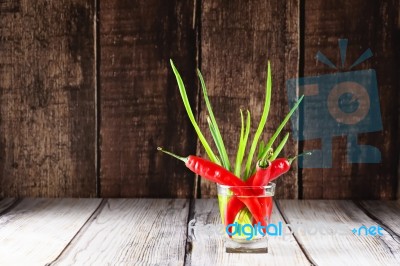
{"x":387,"y":212}
{"x":132,"y":232}
{"x":6,"y":203}
{"x":327,"y":233}
{"x":36,"y":231}
{"x":207,"y":246}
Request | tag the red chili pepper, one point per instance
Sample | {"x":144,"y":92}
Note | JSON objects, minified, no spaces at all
{"x":220,"y":175}
{"x":232,"y":209}
{"x":278,"y":167}
{"x":261,"y":178}
{"x":266,"y":204}
{"x":212,"y":171}
{"x":235,"y":205}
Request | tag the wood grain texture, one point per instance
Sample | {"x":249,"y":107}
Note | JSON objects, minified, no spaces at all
{"x":237,"y":40}
{"x":324,"y":229}
{"x":47,"y":99}
{"x":36,"y":231}
{"x":155,"y":231}
{"x":206,"y":246}
{"x":132,"y":232}
{"x":374,"y":25}
{"x":50,"y":105}
{"x":386,"y":213}
{"x":140,"y":102}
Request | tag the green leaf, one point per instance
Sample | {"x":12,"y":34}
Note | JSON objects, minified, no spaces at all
{"x":260,"y":149}
{"x":222,"y":203}
{"x":280,"y":147}
{"x":217,"y":135}
{"x":263,"y":121}
{"x":237,"y":162}
{"x":186,"y":103}
{"x":244,"y":135}
{"x":216,"y":140}
{"x":279,"y":129}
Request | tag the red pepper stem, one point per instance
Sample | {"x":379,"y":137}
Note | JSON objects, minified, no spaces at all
{"x":290,"y":160}
{"x":184,"y":159}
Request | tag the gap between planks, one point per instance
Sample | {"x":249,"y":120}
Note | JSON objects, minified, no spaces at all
{"x":205,"y":244}
{"x":385,"y":250}
{"x":305,"y":252}
{"x":41,"y":228}
{"x":81,"y":230}
{"x":335,"y":247}
{"x":131,"y":232}
{"x":343,"y":248}
{"x":385,"y":213}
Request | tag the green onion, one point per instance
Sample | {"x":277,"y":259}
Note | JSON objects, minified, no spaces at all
{"x":217,"y":135}
{"x":215,"y":138}
{"x":280,"y":147}
{"x":186,"y":103}
{"x":265,"y":150}
{"x":279,"y":129}
{"x":244,"y":134}
{"x":260,"y":149}
{"x":263,"y":120}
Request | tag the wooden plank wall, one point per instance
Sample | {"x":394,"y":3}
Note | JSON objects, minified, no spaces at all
{"x":87,"y":93}
{"x":140,"y":106}
{"x":374,"y":25}
{"x":237,"y":39}
{"x":47,"y":99}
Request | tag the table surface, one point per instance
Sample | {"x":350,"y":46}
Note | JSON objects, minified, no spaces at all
{"x":181,"y":232}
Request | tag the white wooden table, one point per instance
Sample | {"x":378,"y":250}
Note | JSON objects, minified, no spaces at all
{"x":155,"y":232}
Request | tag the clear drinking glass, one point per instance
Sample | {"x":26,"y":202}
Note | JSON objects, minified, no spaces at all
{"x":245,"y":214}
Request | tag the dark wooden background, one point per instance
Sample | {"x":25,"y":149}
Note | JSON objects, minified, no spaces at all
{"x":87,"y":93}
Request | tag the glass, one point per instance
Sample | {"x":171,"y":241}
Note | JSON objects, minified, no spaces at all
{"x":245,"y":214}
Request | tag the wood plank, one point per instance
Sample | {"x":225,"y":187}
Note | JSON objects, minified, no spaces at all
{"x":324,"y":229}
{"x":386,"y":213}
{"x":47,"y":99}
{"x":237,"y":39}
{"x":207,"y":248}
{"x":140,"y":103}
{"x":6,"y":203}
{"x":132,"y":232}
{"x":376,"y":27}
{"x":36,"y":231}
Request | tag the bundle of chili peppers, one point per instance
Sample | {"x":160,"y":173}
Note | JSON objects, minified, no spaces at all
{"x":256,"y":205}
{"x":219,"y":169}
